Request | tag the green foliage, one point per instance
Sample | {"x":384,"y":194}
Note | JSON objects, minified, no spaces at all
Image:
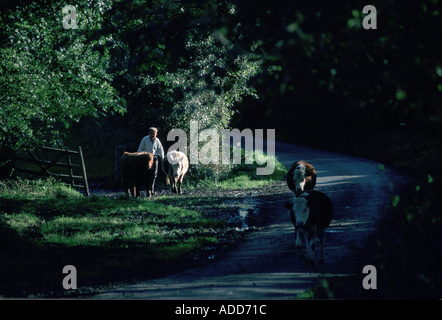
{"x":162,"y":60}
{"x":176,"y":61}
{"x":210,"y":84}
{"x":172,"y":66}
{"x":51,"y":77}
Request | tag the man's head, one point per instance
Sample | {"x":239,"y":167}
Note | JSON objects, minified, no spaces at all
{"x":153,"y":132}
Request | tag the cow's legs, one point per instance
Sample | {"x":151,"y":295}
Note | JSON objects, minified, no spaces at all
{"x":299,"y":235}
{"x":310,"y":241}
{"x":321,"y":246}
{"x":155,"y":174}
{"x":179,"y":183}
{"x":127,"y":187}
{"x":310,"y":244}
{"x":298,"y":238}
{"x":132,"y":190}
{"x":150,"y":189}
{"x":303,"y":236}
{"x":150,"y":184}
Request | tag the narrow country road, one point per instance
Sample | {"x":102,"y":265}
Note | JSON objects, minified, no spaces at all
{"x":265,"y":265}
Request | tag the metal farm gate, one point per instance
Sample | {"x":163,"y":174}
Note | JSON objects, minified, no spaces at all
{"x":66,"y":165}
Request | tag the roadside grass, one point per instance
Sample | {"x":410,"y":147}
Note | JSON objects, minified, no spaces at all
{"x":45,"y":226}
{"x":236,"y":176}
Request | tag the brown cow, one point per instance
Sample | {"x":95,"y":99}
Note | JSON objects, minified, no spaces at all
{"x":301,"y":177}
{"x":136,"y":171}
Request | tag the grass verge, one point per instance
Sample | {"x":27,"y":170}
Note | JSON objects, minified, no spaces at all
{"x":45,"y":226}
{"x":236,"y":176}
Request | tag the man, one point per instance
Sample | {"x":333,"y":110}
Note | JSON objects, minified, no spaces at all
{"x":152,"y":144}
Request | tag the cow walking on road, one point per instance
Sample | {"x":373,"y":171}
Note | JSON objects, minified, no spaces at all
{"x":301,"y":176}
{"x":311,"y":213}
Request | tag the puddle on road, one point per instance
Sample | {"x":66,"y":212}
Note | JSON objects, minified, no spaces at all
{"x":248,"y":213}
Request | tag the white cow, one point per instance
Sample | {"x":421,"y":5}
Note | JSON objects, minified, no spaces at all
{"x":175,"y":166}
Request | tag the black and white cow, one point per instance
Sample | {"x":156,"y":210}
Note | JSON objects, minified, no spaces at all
{"x":311,"y":213}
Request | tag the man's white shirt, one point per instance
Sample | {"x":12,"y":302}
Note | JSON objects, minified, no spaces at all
{"x":154,"y":147}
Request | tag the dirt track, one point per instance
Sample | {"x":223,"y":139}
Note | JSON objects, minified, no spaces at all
{"x":265,"y":265}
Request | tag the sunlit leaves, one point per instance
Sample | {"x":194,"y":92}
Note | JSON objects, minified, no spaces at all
{"x":179,"y":69}
{"x":211,"y":83}
{"x":51,"y":76}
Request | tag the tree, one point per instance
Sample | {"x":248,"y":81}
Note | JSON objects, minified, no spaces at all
{"x":173,"y":62}
{"x":51,"y":77}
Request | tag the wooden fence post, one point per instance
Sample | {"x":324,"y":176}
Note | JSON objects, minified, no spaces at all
{"x":83,"y":167}
{"x":71,"y":172}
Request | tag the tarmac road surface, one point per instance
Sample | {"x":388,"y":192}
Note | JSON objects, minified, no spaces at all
{"x":266,"y":266}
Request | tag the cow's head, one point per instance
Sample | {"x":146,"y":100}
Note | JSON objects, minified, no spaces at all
{"x":299,"y":178}
{"x":302,"y":210}
{"x":176,"y":163}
